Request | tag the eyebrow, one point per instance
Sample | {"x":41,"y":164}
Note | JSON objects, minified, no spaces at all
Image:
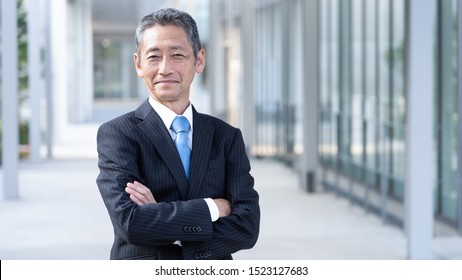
{"x":171,"y":48}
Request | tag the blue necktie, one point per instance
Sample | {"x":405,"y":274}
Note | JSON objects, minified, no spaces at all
{"x":180,"y":126}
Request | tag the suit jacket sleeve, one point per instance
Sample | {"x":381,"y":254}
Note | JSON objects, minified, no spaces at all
{"x":240,"y":229}
{"x":148,"y":225}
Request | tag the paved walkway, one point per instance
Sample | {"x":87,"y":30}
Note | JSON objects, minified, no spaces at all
{"x":60,"y":215}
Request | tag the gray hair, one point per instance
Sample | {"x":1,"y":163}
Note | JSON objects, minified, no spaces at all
{"x":169,"y":16}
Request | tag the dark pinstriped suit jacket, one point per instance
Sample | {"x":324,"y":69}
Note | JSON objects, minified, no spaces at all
{"x":137,"y":146}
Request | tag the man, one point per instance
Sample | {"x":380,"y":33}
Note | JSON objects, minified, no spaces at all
{"x":174,"y":193}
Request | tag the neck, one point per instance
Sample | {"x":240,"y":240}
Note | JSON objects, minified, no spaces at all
{"x":177,"y":106}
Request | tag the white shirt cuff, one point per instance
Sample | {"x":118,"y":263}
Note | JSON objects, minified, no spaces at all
{"x":213,"y":208}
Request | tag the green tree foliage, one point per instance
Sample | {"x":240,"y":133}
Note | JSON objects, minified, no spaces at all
{"x":22,"y":73}
{"x":22,"y":50}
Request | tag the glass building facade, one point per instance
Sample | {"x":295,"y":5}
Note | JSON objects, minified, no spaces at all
{"x":361,"y":96}
{"x":447,"y":100}
{"x":363,"y":102}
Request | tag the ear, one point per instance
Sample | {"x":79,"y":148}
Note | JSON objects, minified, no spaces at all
{"x":137,"y":62}
{"x":200,"y":63}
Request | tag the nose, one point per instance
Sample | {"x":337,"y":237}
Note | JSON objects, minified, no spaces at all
{"x":165,"y":66}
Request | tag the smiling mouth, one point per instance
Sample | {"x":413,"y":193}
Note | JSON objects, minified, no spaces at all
{"x":166,"y":82}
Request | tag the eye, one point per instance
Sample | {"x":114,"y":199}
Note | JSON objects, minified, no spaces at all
{"x":178,"y":55}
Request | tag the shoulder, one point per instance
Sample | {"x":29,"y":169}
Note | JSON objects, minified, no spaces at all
{"x":122,"y":122}
{"x":217,"y":124}
{"x":130,"y":119}
{"x":118,"y":133}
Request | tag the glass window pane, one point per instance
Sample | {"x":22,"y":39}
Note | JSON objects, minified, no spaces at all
{"x":398,"y":104}
{"x":356,"y":148}
{"x":447,"y":112}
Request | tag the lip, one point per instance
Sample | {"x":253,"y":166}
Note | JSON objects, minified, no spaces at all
{"x":166,"y":82}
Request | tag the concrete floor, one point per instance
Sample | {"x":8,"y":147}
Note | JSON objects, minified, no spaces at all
{"x":60,"y":215}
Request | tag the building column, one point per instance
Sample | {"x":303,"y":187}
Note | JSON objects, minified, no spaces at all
{"x":309,"y":158}
{"x":34,"y":77}
{"x":10,"y":137}
{"x":49,"y":79}
{"x":214,"y":62}
{"x":59,"y":70}
{"x":420,"y":159}
{"x":80,"y":64}
{"x":247,"y":44}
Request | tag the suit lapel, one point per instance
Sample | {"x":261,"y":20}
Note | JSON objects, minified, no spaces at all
{"x":154,"y":129}
{"x":202,"y":144}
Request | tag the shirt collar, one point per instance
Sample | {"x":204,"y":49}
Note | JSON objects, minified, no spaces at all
{"x":168,"y":115}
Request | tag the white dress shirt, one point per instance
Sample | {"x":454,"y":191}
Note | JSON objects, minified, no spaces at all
{"x":167,"y":117}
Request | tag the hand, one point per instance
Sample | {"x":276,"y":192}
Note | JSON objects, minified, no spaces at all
{"x":224,"y":207}
{"x":139,"y":193}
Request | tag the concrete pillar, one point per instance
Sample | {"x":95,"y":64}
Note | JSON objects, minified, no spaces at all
{"x":80,"y":64}
{"x":247,"y":45}
{"x":214,"y":62}
{"x":10,"y":118}
{"x":59,"y":69}
{"x":34,"y":75}
{"x":49,"y":79}
{"x":420,"y":159}
{"x":87,"y":62}
{"x":309,"y":159}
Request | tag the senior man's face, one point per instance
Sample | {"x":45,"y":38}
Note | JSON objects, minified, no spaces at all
{"x":167,"y":63}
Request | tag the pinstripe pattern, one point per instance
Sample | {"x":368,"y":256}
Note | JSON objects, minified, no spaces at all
{"x":137,"y":146}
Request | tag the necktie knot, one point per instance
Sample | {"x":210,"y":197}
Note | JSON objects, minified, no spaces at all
{"x":180,"y":124}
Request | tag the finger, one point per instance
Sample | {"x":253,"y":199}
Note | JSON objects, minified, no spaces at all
{"x":139,"y":196}
{"x":136,"y":185}
{"x":134,"y":189}
{"x":136,"y":200}
{"x":131,"y":186}
{"x":145,"y":191}
{"x":141,"y":192}
{"x":139,"y":188}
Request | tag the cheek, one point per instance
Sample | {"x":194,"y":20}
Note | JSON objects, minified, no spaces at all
{"x":189,"y":75}
{"x":148,"y":74}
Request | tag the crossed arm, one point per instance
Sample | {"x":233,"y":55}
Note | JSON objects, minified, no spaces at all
{"x":141,"y":195}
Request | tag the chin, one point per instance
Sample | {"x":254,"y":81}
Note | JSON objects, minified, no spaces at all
{"x":168,"y":97}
